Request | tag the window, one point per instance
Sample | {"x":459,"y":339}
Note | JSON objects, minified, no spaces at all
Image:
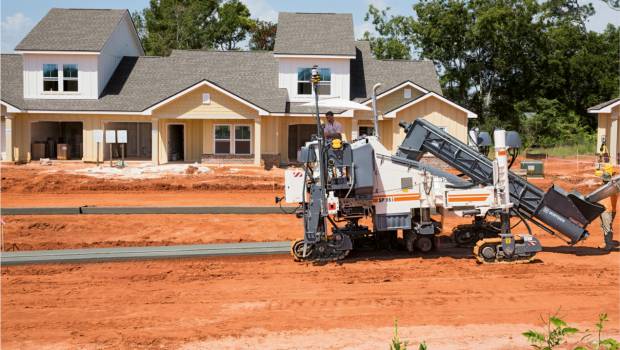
{"x":367,"y":130}
{"x":50,"y":77}
{"x":70,"y":77}
{"x":206,"y":99}
{"x":238,"y":143}
{"x":407,"y":93}
{"x":304,"y":84}
{"x":222,"y":139}
{"x":242,"y":139}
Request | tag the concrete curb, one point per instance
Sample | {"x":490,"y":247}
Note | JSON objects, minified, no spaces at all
{"x":141,"y":253}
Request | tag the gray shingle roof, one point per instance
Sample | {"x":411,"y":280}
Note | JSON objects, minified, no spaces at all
{"x":72,"y":30}
{"x":315,"y":34}
{"x":141,"y":82}
{"x":604,"y":104}
{"x":366,"y":71}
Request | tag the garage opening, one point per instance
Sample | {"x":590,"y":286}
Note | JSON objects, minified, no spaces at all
{"x":56,"y":140}
{"x":298,"y":135}
{"x":138,"y":145}
{"x":176,"y":142}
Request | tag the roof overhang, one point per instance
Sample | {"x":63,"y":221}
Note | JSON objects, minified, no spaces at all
{"x":286,"y":55}
{"x":9,"y":107}
{"x":392,"y":113}
{"x":43,"y":52}
{"x":606,"y":109}
{"x":398,"y":87}
{"x":206,"y":83}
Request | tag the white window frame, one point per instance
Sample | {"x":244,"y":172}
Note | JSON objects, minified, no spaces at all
{"x":76,"y":79}
{"x":297,"y":81}
{"x":56,"y":79}
{"x":232,"y":139}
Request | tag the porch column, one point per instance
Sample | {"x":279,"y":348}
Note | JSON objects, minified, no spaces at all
{"x":257,"y":141}
{"x":613,"y":138}
{"x":8,"y":137}
{"x":354,"y":129}
{"x":155,"y":141}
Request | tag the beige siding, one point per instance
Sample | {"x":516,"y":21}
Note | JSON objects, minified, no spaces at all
{"x":22,"y":131}
{"x":193,"y":139}
{"x":605,"y":129}
{"x":190,"y":106}
{"x":437,"y":112}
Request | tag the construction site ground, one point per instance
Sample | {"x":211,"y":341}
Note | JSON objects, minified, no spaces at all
{"x":271,"y":302}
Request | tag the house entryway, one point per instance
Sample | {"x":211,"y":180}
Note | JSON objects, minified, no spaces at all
{"x":56,"y":140}
{"x":176,"y":142}
{"x":138,"y":145}
{"x":298,"y":135}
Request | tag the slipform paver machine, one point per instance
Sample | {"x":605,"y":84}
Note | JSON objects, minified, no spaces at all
{"x":340,"y":183}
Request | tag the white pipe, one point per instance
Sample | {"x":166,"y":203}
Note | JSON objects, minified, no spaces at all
{"x":374,"y":108}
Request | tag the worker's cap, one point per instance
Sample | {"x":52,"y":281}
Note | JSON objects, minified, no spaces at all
{"x":329,"y":114}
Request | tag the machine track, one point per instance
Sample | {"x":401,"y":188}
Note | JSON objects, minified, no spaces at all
{"x":320,"y":252}
{"x":484,"y":247}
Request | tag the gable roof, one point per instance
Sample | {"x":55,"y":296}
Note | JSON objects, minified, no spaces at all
{"x":72,"y":30}
{"x":366,"y":71}
{"x":392,"y":113}
{"x":605,"y":107}
{"x":315,"y":34}
{"x":139,"y":83}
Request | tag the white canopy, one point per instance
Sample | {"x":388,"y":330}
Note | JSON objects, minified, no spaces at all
{"x":338,"y":103}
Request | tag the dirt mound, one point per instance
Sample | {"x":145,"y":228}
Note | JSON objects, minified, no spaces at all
{"x":33,"y":178}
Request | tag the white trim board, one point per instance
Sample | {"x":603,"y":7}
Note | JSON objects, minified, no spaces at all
{"x":392,"y":114}
{"x":606,"y":109}
{"x":211,"y":85}
{"x":397,"y":87}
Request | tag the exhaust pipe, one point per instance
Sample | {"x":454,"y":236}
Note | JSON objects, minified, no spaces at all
{"x":374,"y":109}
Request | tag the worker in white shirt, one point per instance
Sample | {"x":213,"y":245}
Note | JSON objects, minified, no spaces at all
{"x":332,"y":129}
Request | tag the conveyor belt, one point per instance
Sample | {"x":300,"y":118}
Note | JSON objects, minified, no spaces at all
{"x":140,"y":253}
{"x":564,"y":212}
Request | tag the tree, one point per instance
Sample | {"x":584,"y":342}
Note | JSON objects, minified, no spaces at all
{"x":393,"y":42}
{"x":263,"y":36}
{"x":177,"y":24}
{"x":192,"y":24}
{"x":501,"y":57}
{"x":233,"y":24}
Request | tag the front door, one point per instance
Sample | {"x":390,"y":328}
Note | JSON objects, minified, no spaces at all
{"x":176,"y":142}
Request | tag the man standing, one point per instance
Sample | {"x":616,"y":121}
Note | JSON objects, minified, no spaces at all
{"x":332,"y":129}
{"x":607,"y":218}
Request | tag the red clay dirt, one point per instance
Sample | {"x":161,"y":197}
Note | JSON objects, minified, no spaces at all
{"x":271,"y":302}
{"x":275,"y":303}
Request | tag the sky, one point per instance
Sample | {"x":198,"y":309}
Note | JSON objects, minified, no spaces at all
{"x":19,"y":16}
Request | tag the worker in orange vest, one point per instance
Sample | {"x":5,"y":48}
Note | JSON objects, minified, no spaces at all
{"x":607,"y":218}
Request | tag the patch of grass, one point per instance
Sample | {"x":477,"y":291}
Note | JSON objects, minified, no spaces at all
{"x":398,"y":344}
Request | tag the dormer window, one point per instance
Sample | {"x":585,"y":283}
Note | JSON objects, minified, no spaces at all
{"x":304,"y":84}
{"x":50,"y":77}
{"x":70,"y":77}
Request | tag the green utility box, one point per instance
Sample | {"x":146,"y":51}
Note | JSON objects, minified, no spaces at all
{"x":534,"y":168}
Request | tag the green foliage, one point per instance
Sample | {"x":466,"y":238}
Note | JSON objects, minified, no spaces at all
{"x":394,"y":41}
{"x":398,"y":344}
{"x":263,"y":36}
{"x":505,"y":58}
{"x":558,"y":331}
{"x":192,"y":24}
{"x":233,"y":24}
{"x":556,"y":334}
